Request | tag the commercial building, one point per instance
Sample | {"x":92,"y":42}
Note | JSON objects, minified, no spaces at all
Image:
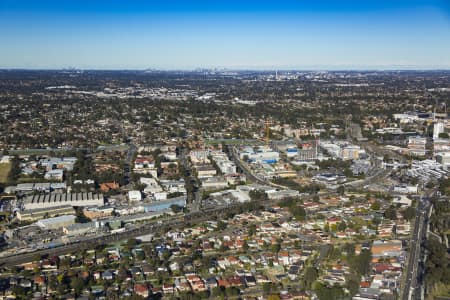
{"x":198,"y":157}
{"x":134,"y":196}
{"x":261,"y":155}
{"x":342,"y":150}
{"x":151,"y":185}
{"x":426,"y":170}
{"x":214,"y":183}
{"x":441,"y":145}
{"x":417,"y":146}
{"x":174,"y":186}
{"x":291,"y":152}
{"x":58,"y":163}
{"x":204,"y":171}
{"x":56,"y":222}
{"x":223,"y":163}
{"x":56,"y":174}
{"x":406,"y":189}
{"x":235,"y":178}
{"x":443,"y":158}
{"x":56,"y":199}
{"x":229,"y":196}
{"x":438,"y":128}
{"x":351,"y":152}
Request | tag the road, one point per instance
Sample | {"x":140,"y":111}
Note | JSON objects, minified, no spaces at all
{"x":132,"y":149}
{"x":250,"y":176}
{"x":194,"y":199}
{"x":412,"y":287}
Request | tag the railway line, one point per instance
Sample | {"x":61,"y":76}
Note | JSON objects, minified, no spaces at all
{"x":178,"y":221}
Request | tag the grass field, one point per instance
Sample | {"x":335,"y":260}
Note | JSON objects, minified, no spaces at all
{"x":4,"y":171}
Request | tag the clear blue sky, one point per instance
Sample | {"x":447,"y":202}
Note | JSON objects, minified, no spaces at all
{"x":170,"y":34}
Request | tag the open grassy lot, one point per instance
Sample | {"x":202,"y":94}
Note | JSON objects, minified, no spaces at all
{"x":4,"y":171}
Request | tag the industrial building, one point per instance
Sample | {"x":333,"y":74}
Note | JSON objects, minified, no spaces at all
{"x":262,"y":154}
{"x":165,"y":204}
{"x":40,"y":213}
{"x":98,"y":212}
{"x":40,"y":187}
{"x":283,"y":194}
{"x":55,"y":200}
{"x":56,"y":222}
{"x":79,"y":228}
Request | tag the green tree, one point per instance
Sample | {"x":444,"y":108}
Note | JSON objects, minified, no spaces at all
{"x":375,"y":206}
{"x":252,"y":229}
{"x":276,"y":247}
{"x":409,"y":213}
{"x":329,"y":293}
{"x":77,"y":284}
{"x":221,"y":225}
{"x":443,"y":135}
{"x":245,"y":247}
{"x":258,"y":195}
{"x":390,"y":213}
{"x":298,"y":212}
{"x":131,"y":243}
{"x":353,"y":285}
{"x":349,"y":248}
{"x":342,"y":226}
{"x":341,"y":190}
{"x":218,"y":292}
{"x":176,"y":208}
{"x":311,"y":275}
{"x":360,"y":264}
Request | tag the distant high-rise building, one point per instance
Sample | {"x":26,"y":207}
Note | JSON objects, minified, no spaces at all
{"x":437,"y":129}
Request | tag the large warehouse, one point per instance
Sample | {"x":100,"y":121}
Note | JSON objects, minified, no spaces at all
{"x":56,"y":222}
{"x":53,"y":200}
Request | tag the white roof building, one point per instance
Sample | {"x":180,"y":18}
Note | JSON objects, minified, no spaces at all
{"x":56,"y":222}
{"x":134,"y":196}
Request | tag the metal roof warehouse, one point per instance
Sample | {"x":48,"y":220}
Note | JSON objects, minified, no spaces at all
{"x":57,"y":199}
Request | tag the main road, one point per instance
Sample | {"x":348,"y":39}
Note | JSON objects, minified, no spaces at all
{"x":411,"y":289}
